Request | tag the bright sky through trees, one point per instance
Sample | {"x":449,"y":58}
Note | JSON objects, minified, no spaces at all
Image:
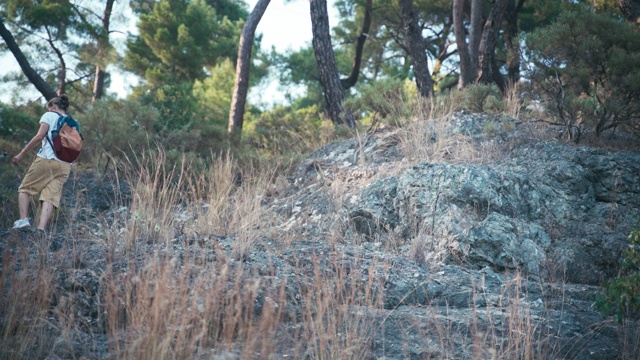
{"x":286,"y":25}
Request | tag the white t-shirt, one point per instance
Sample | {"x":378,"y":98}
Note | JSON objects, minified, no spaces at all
{"x":51,"y":119}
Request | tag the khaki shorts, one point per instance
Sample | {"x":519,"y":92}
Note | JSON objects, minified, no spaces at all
{"x":47,"y":177}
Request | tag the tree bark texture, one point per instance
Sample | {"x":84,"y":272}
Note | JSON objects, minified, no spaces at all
{"x":326,"y":62}
{"x":475,"y":32}
{"x":630,"y":9}
{"x":45,"y":89}
{"x":417,"y":49}
{"x":98,"y":83}
{"x":510,"y":37}
{"x":103,"y":45}
{"x":243,"y":66}
{"x":357,"y":60}
{"x":467,"y":76}
{"x":489,"y":41}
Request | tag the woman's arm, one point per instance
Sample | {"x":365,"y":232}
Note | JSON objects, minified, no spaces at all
{"x":42,"y":132}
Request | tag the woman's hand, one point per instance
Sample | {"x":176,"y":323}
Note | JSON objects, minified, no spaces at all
{"x":42,"y":132}
{"x":16,"y":159}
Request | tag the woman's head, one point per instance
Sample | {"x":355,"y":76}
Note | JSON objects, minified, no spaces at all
{"x":62,"y":102}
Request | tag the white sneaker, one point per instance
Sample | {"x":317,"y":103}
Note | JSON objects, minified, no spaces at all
{"x":21,"y":223}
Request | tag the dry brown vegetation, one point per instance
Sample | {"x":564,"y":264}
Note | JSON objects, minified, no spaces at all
{"x":161,"y":306}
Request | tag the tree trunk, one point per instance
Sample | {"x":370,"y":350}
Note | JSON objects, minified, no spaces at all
{"x":327,"y":69}
{"x":467,"y":76}
{"x":489,"y":41}
{"x":103,"y":48}
{"x":475,"y":33}
{"x":630,"y":9}
{"x":243,"y":67}
{"x":511,"y":40}
{"x":98,"y":84}
{"x":62,"y":74}
{"x":355,"y":70}
{"x":417,"y":49}
{"x":45,"y":89}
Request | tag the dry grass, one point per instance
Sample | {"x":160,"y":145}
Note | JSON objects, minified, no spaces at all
{"x":522,"y":338}
{"x":334,"y":318}
{"x":227,"y":200}
{"x":26,"y":301}
{"x":159,"y":305}
{"x":513,"y":101}
{"x":176,"y":308}
{"x":427,"y":136}
{"x":170,"y":307}
{"x":156,"y":190}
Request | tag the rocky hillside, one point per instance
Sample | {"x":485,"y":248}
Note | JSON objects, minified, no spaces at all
{"x":395,"y":255}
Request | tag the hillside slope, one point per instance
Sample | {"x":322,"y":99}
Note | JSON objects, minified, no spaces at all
{"x":369,"y":249}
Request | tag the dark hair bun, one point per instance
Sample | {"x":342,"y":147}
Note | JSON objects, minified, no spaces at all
{"x":64,"y":101}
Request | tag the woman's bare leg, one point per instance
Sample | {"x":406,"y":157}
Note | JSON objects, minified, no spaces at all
{"x":45,"y":214}
{"x":23,"y":204}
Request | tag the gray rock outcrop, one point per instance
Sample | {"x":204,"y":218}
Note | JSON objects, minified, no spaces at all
{"x":498,"y":257}
{"x":546,"y":208}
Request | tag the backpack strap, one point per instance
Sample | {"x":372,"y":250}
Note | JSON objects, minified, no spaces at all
{"x":50,"y":143}
{"x":52,"y":130}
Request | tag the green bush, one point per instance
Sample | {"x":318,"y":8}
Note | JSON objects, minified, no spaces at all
{"x":621,"y":295}
{"x":480,"y":97}
{"x":285,"y":131}
{"x":114,"y":130}
{"x":586,"y":69}
{"x":16,"y":124}
{"x":385,"y":100}
{"x":10,"y":179}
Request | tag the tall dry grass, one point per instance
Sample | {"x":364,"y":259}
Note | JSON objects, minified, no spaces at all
{"x":513,"y":100}
{"x":177,"y":308}
{"x":159,"y":304}
{"x":335,"y":320}
{"x":227,"y":200}
{"x":26,"y":285}
{"x":427,"y":135}
{"x":38,"y":317}
{"x":156,"y":190}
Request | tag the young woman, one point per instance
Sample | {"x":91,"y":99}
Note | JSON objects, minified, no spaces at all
{"x":47,"y":173}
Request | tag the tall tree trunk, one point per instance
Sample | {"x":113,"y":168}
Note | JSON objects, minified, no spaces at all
{"x":327,"y":69}
{"x":417,"y":48}
{"x":630,"y":9}
{"x":243,"y":67}
{"x":357,"y":60}
{"x":510,"y":37}
{"x":103,"y":48}
{"x":475,"y":33}
{"x":489,"y":41}
{"x":45,"y":89}
{"x":98,"y":84}
{"x":467,"y":76}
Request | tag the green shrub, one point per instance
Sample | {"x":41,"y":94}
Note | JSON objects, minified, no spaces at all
{"x":386,"y":100}
{"x":283,"y":131}
{"x":621,"y":295}
{"x":114,"y":130}
{"x":586,"y":69}
{"x":16,"y":124}
{"x":479,"y":97}
{"x":10,"y":178}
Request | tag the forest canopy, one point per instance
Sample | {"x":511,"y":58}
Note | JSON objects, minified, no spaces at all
{"x":193,"y":61}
